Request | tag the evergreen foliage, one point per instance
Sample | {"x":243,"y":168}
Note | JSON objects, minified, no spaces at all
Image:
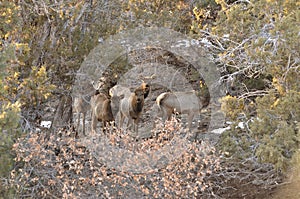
{"x":257,"y":41}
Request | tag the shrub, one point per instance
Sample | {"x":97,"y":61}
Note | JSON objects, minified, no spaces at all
{"x":65,"y":167}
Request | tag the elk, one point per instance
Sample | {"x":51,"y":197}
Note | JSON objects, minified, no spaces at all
{"x":81,"y":106}
{"x":117,"y":93}
{"x":101,"y":109}
{"x":132,"y":104}
{"x":179,"y":102}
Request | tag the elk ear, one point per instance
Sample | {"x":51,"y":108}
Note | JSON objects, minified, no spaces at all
{"x":121,"y":96}
{"x":136,"y":91}
{"x":146,"y":89}
{"x":110,"y":93}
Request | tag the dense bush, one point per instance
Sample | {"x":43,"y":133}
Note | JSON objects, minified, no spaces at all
{"x":64,"y":167}
{"x":255,"y":44}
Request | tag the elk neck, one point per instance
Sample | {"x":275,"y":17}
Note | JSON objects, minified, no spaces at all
{"x":137,"y":106}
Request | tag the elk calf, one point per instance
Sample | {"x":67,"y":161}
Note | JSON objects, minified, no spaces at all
{"x":131,"y":106}
{"x":101,"y":111}
{"x":117,"y":93}
{"x":100,"y":105}
{"x":81,"y":106}
{"x":181,"y":102}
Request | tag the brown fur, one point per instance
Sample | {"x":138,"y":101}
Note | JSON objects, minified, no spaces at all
{"x":101,"y":111}
{"x":131,"y":106}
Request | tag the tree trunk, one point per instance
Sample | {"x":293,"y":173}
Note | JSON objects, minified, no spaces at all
{"x":63,"y":113}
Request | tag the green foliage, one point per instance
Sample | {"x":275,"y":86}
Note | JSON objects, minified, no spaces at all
{"x":232,"y":106}
{"x":237,"y":143}
{"x":9,"y":108}
{"x":19,"y":88}
{"x":204,"y":13}
{"x":9,"y":131}
{"x":170,"y":13}
{"x":9,"y":116}
{"x":258,"y":44}
{"x":276,"y":128}
{"x":9,"y":20}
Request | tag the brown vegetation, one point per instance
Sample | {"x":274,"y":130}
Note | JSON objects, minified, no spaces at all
{"x":170,"y":165}
{"x":64,"y":167}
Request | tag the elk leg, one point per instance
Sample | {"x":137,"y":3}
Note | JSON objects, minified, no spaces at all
{"x":135,"y":127}
{"x":78,"y":121}
{"x":94,"y":123}
{"x":104,"y":126}
{"x":190,"y":120}
{"x":83,"y":124}
{"x":168,"y":116}
{"x":77,"y":126}
{"x":165,"y":115}
{"x":118,"y":118}
{"x":122,"y":117}
{"x":155,"y":115}
{"x":129,"y":123}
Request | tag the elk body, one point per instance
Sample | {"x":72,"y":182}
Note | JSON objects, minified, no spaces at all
{"x":132,"y":104}
{"x":117,"y":93}
{"x":179,"y":102}
{"x":81,"y":106}
{"x":100,"y":105}
{"x":101,"y":111}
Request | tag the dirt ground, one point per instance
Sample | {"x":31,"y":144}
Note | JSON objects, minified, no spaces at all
{"x":290,"y":189}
